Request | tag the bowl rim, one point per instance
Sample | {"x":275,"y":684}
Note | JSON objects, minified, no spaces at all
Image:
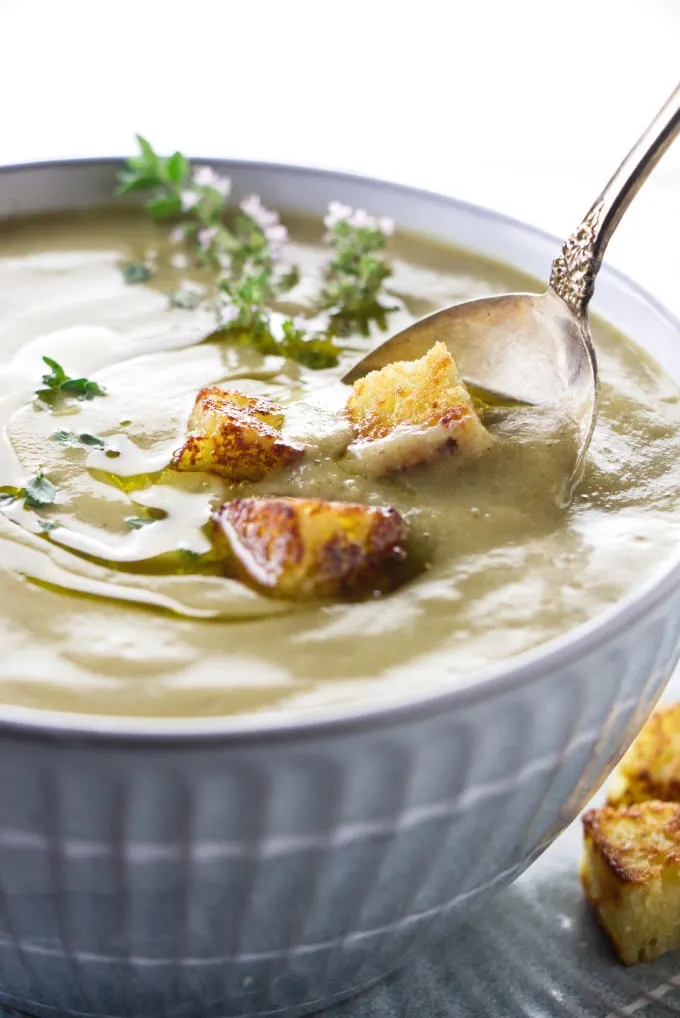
{"x":339,"y":719}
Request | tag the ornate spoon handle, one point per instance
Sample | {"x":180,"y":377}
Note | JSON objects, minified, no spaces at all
{"x":573,"y":272}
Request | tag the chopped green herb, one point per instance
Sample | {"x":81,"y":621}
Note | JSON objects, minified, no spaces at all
{"x":65,"y":437}
{"x":57,"y":381}
{"x":137,"y":522}
{"x":185,"y":298}
{"x":68,"y":438}
{"x":136,"y":272}
{"x":47,"y":526}
{"x":83,"y":388}
{"x":56,"y":376}
{"x":92,"y":440}
{"x":39,"y":492}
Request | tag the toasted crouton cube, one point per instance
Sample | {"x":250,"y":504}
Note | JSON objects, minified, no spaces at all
{"x":651,"y":767}
{"x":631,"y":875}
{"x":235,"y":436}
{"x":303,"y":548}
{"x":410,"y":411}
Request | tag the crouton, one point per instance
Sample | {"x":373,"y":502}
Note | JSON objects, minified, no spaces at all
{"x":651,"y":767}
{"x":631,"y":875}
{"x":235,"y":436}
{"x":409,"y":412}
{"x":304,"y":548}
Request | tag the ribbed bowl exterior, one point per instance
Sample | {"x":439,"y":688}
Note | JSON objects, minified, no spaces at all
{"x":274,"y":873}
{"x":222,"y":880}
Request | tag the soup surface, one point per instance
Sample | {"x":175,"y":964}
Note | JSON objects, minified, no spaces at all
{"x":111,"y":601}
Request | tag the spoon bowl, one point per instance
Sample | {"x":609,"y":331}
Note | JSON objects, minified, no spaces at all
{"x":513,"y":349}
{"x":522,"y":348}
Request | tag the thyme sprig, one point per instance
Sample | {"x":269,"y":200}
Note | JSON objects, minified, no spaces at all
{"x":354,"y":285}
{"x":247,"y":248}
{"x":38,"y":493}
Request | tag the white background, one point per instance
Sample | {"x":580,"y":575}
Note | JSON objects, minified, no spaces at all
{"x":526,"y":106}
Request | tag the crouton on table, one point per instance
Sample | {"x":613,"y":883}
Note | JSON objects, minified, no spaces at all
{"x":631,"y":874}
{"x":235,"y":436}
{"x":410,"y":411}
{"x":651,"y":767}
{"x":302,"y":548}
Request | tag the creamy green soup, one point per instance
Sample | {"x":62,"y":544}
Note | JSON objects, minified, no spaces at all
{"x":102,"y":613}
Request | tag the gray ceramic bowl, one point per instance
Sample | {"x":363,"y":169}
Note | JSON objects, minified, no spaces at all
{"x":210,"y":869}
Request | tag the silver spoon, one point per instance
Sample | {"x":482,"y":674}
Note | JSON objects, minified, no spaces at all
{"x":537,"y":349}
